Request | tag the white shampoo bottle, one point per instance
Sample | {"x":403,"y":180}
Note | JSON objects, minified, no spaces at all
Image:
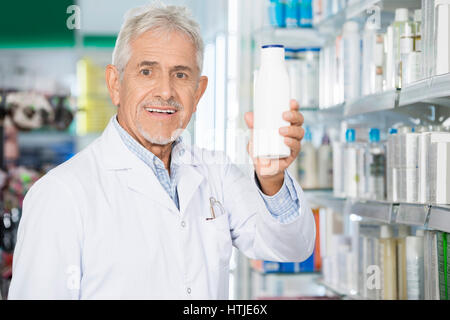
{"x":271,"y":99}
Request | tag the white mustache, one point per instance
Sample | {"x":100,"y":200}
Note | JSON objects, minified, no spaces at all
{"x":162,"y":103}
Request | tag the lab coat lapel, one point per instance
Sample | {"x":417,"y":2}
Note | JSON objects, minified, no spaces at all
{"x":188,"y":184}
{"x":186,"y":157}
{"x":135,"y":173}
{"x":144,"y":181}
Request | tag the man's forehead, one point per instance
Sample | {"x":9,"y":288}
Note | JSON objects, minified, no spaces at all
{"x":166,"y":39}
{"x":151,"y":48}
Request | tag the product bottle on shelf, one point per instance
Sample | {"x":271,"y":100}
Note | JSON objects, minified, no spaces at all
{"x":372,"y":76}
{"x":442,"y":36}
{"x":309,"y":77}
{"x":271,"y":99}
{"x":307,"y":162}
{"x":325,"y":170}
{"x":415,"y":266}
{"x":388,"y":261}
{"x":294,"y":66}
{"x":375,"y":167}
{"x":338,"y":169}
{"x":351,"y":178}
{"x":403,"y":232}
{"x":407,"y":70}
{"x":351,"y":48}
{"x":392,"y":173}
{"x":277,"y":13}
{"x":292,"y":13}
{"x":418,"y":30}
{"x":408,"y":164}
{"x":317,"y":7}
{"x":338,"y":72}
{"x":393,"y":51}
{"x":306,"y":14}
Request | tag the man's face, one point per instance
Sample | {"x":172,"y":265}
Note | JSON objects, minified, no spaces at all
{"x":161,"y":74}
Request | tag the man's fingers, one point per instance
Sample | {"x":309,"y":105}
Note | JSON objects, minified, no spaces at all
{"x":294,"y":117}
{"x":293,"y":105}
{"x":248,"y":117}
{"x":294,"y":132}
{"x":292,"y":143}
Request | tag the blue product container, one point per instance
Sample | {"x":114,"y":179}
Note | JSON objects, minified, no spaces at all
{"x":308,"y":264}
{"x":292,"y":13}
{"x":271,"y":266}
{"x":290,"y":53}
{"x":277,"y":13}
{"x":306,"y":14}
{"x":290,"y":267}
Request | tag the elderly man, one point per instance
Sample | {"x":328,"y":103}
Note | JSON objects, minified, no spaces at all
{"x":140,"y":214}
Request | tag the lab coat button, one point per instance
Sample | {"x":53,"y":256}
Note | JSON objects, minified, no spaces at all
{"x":188,"y":290}
{"x":181,"y":152}
{"x":183,"y":224}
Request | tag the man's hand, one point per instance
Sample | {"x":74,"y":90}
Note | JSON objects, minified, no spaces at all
{"x":270,"y":172}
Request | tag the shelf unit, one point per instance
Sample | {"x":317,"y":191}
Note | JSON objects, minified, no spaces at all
{"x":428,"y":216}
{"x":341,"y":292}
{"x":334,"y":22}
{"x":286,"y":285}
{"x":426,"y":100}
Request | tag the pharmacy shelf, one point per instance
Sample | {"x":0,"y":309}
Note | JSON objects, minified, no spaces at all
{"x":363,"y":8}
{"x":432,"y":90}
{"x":412,"y":214}
{"x":332,"y":24}
{"x":342,"y":293}
{"x":325,"y":116}
{"x":428,"y":99}
{"x":376,"y":210}
{"x":439,"y":218}
{"x":326,"y":199}
{"x":428,"y":216}
{"x":430,"y":96}
{"x":371,"y":103}
{"x":289,"y":37}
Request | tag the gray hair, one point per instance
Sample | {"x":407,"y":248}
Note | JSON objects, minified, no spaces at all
{"x":159,"y":17}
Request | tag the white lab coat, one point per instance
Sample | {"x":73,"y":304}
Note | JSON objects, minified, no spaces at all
{"x":101,"y":226}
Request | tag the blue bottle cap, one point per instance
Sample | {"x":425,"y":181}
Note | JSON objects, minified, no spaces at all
{"x":374,"y":135}
{"x":393,"y":131}
{"x":272,"y":46}
{"x":350,"y":135}
{"x":313,"y":49}
{"x":308,"y":134}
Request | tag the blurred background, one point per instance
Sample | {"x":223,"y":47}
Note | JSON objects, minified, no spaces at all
{"x":372,"y":78}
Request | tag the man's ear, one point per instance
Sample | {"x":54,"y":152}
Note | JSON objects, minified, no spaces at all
{"x":113,"y":83}
{"x":201,"y":88}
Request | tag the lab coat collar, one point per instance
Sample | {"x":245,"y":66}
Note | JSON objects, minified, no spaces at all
{"x":116,"y":156}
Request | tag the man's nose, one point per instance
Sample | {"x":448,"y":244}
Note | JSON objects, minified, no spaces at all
{"x":164,"y":88}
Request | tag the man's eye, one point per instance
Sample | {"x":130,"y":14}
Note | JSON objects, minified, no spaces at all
{"x":181,"y":75}
{"x":145,"y":72}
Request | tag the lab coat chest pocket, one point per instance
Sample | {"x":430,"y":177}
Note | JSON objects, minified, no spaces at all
{"x":218,"y":239}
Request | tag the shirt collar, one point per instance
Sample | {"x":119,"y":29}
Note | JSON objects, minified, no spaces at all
{"x":140,"y":151}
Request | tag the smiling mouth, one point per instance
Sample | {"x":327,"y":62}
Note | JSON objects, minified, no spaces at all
{"x":167,"y":111}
